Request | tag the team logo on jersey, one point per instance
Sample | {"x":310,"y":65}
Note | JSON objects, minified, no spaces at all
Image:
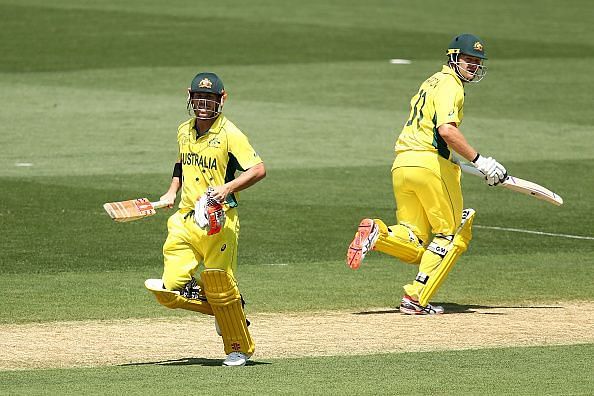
{"x":478,"y":46}
{"x":185,"y":139}
{"x":206,"y":83}
{"x":214,"y":142}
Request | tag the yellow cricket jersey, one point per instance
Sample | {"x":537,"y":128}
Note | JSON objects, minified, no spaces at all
{"x":212,"y":159}
{"x":439,"y":101}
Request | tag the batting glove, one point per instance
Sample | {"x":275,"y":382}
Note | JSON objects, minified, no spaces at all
{"x":200,"y":217}
{"x":494,"y":172}
{"x":209,"y":214}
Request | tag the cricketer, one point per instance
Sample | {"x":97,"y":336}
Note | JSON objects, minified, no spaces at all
{"x":205,"y":229}
{"x":432,"y":230}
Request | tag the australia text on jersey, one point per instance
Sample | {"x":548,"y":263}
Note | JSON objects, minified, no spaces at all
{"x":198,"y":160}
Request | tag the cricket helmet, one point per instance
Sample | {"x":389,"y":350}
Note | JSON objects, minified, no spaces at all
{"x":206,"y":83}
{"x":467,"y":44}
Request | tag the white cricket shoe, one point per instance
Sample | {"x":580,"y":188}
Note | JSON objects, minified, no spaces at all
{"x":235,"y":359}
{"x":409,"y":306}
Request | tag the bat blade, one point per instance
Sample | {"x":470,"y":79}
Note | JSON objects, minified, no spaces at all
{"x":533,"y":189}
{"x":133,"y":209}
{"x":520,"y":185}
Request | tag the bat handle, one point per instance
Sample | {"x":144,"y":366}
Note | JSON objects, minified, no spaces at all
{"x":160,"y":204}
{"x":471,"y":170}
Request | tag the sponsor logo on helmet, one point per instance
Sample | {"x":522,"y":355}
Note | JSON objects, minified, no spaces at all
{"x":478,"y":46}
{"x":206,"y":83}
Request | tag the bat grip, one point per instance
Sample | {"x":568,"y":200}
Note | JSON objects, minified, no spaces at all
{"x":471,"y":170}
{"x":160,"y":204}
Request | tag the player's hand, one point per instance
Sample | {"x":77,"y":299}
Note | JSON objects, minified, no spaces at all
{"x":209,"y":213}
{"x":219,"y":193}
{"x":494,"y":172}
{"x":169,"y":197}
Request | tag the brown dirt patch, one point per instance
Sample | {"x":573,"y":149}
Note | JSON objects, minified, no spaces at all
{"x":102,"y":343}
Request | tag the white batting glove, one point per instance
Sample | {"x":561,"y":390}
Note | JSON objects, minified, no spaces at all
{"x":494,"y":172}
{"x":200,"y":212}
{"x":209,"y":213}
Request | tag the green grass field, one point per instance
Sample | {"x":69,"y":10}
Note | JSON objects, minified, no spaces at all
{"x":92,"y":93}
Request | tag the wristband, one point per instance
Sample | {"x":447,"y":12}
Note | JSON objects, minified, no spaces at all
{"x":478,"y":155}
{"x":177,"y":170}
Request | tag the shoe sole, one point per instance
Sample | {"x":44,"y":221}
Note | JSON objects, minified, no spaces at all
{"x":408,"y":307}
{"x":367,"y":232}
{"x":411,"y":311}
{"x":234,"y":365}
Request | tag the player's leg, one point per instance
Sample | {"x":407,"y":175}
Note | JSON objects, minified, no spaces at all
{"x":449,"y":255}
{"x":178,"y":288}
{"x":410,"y":211}
{"x":442,"y":200}
{"x":405,"y":240}
{"x":224,"y":297}
{"x":222,"y":291}
{"x":401,"y":240}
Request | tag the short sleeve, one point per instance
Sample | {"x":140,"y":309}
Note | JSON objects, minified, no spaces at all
{"x":448,"y":102}
{"x":242,"y":150}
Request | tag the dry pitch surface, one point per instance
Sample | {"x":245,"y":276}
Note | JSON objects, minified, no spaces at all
{"x":168,"y":340}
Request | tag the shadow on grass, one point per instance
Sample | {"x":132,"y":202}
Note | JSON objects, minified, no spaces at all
{"x":190,"y":362}
{"x":453,"y":308}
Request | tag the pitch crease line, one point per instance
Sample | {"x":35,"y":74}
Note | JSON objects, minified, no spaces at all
{"x":535,"y":232}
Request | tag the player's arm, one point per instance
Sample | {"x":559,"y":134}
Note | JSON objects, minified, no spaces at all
{"x":494,"y":172}
{"x":246,"y":179}
{"x":456,"y":141}
{"x":176,"y":182}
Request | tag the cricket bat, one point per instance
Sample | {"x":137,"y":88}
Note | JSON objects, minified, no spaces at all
{"x":133,"y":209}
{"x":520,"y":185}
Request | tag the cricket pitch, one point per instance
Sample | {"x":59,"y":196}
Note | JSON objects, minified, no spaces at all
{"x":168,"y":340}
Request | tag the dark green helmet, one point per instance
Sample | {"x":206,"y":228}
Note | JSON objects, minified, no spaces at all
{"x":471,"y":45}
{"x":207,"y":82}
{"x":468,"y":44}
{"x":199,"y":104}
